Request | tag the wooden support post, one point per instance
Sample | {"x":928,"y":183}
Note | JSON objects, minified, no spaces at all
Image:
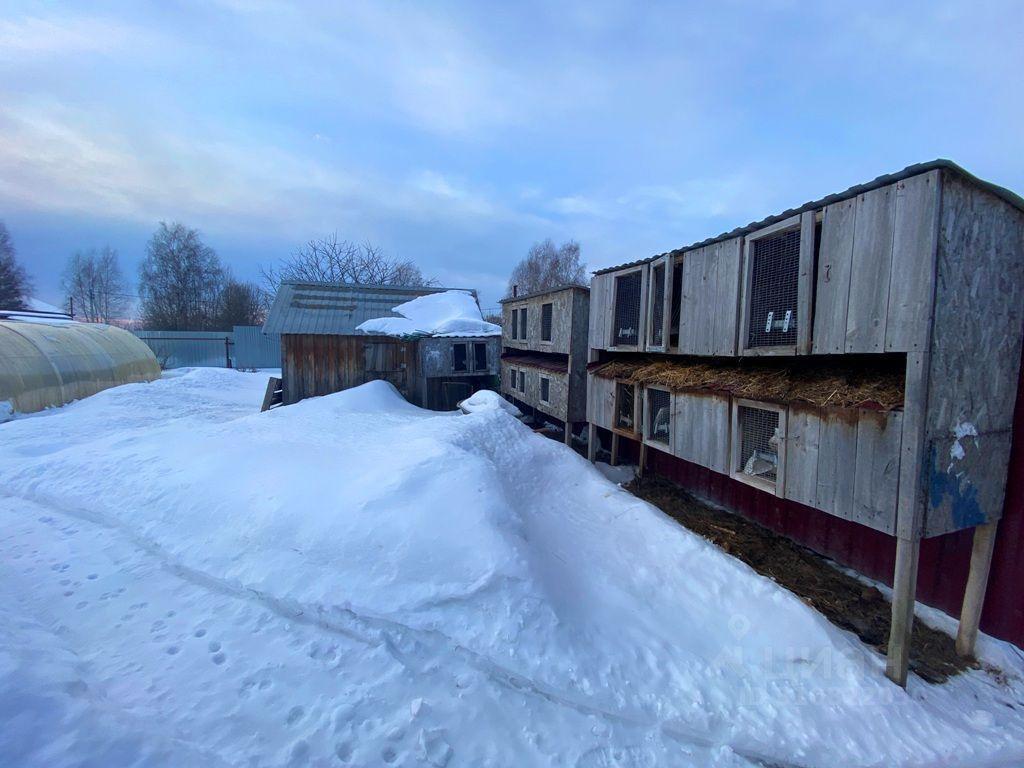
{"x":643,"y":459}
{"x":904,"y":586}
{"x":568,"y":433}
{"x":591,"y":441}
{"x":974,"y":594}
{"x":615,"y":449}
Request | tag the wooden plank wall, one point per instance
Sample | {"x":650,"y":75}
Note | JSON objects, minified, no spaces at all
{"x":600,"y":401}
{"x":600,"y":318}
{"x":314,"y":364}
{"x":876,"y":270}
{"x":709,"y":311}
{"x":845,"y":462}
{"x":974,"y":359}
{"x":578,"y":348}
{"x":700,"y":425}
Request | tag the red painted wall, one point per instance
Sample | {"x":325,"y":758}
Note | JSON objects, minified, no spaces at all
{"x":942,"y":573}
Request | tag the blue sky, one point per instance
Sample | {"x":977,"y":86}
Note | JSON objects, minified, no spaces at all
{"x":456,"y":134}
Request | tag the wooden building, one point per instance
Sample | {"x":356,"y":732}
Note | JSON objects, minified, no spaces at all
{"x":544,"y":354}
{"x":322,"y":350}
{"x":856,"y":358}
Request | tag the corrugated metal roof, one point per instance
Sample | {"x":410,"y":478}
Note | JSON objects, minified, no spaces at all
{"x":911,"y":170}
{"x":335,"y":309}
{"x":535,"y":294}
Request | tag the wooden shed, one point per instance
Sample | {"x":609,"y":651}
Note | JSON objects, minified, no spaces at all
{"x":544,"y":353}
{"x":909,"y":284}
{"x":322,"y":350}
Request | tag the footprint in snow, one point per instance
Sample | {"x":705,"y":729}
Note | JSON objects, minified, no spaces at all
{"x":294,"y":715}
{"x":218,"y":658}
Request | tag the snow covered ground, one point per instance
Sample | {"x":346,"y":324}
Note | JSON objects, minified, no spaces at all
{"x":354,"y":581}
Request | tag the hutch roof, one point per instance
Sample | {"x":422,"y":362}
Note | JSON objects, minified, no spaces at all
{"x":911,"y":170}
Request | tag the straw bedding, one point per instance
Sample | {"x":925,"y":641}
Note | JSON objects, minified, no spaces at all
{"x":830,"y":385}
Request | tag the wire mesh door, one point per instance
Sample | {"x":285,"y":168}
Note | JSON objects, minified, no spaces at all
{"x":659,"y":415}
{"x":625,"y":400}
{"x":774,"y":279}
{"x":627,"y":310}
{"x":760,"y":437}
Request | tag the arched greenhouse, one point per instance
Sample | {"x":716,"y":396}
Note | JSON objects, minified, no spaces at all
{"x":48,"y":362}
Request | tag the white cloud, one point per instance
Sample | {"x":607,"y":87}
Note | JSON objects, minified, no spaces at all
{"x":33,"y":37}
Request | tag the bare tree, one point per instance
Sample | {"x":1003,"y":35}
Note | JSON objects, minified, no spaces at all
{"x":180,"y":281}
{"x":330,"y":260}
{"x":14,"y":282}
{"x":94,"y":285}
{"x":241,"y":304}
{"x":548,"y":266}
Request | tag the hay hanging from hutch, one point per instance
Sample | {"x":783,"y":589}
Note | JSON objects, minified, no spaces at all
{"x":832,"y":386}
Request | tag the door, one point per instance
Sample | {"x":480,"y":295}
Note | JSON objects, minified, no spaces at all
{"x":387,"y":361}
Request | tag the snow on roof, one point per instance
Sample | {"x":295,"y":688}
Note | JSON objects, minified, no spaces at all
{"x":450,"y":313}
{"x":37,"y":305}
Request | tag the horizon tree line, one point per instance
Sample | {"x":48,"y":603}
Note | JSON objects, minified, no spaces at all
{"x":182,"y":284}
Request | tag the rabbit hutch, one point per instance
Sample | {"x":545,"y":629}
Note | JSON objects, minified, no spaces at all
{"x":855,"y":359}
{"x":544,"y":354}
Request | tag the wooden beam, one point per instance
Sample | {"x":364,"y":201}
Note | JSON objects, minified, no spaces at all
{"x":591,"y":441}
{"x":904,"y":586}
{"x":974,"y":594}
{"x":643,"y":459}
{"x":615,"y":449}
{"x":568,"y":433}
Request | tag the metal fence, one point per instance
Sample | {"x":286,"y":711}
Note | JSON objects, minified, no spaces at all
{"x":254,"y":349}
{"x":182,"y":349}
{"x":244,"y":347}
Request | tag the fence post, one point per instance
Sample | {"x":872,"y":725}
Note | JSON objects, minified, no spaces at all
{"x":227,"y":352}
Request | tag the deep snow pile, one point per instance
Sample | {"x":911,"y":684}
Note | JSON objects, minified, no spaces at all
{"x":449,"y":313}
{"x":353,"y":580}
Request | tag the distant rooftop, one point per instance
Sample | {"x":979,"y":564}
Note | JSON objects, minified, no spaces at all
{"x":336,"y":309}
{"x":557,"y":289}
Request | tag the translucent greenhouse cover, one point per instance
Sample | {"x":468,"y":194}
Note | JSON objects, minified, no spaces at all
{"x":47,"y":363}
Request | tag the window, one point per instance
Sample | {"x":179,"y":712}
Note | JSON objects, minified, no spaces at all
{"x":515,"y":323}
{"x":658,"y":306}
{"x":773,"y":279}
{"x":627,"y":310}
{"x":625,"y":398}
{"x":659,"y":416}
{"x":512,"y":379}
{"x":545,"y":321}
{"x":758,"y":456}
{"x":677,"y":303}
{"x":545,"y":389}
{"x":522,"y":382}
{"x":459,"y":362}
{"x":480,"y":356}
{"x":522,"y":324}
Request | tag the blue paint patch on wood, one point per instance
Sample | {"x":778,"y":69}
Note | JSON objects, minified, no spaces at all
{"x":943,"y":486}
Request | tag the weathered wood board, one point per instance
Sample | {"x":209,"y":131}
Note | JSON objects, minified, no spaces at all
{"x":974,"y":359}
{"x":700,"y":425}
{"x":837,"y":457}
{"x":835,"y":259}
{"x":803,"y":432}
{"x":709,"y":312}
{"x":600,"y":401}
{"x":876,"y":477}
{"x":869,"y":273}
{"x":912,"y":278}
